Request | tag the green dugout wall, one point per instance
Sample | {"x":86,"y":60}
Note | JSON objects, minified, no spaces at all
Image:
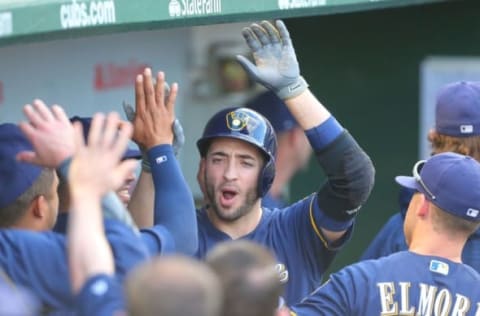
{"x":365,"y":67}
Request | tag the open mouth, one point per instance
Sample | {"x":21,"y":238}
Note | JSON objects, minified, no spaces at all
{"x":228,"y":197}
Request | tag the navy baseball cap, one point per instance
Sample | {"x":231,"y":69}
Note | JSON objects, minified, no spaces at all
{"x":458,"y":109}
{"x":15,"y":177}
{"x":450,"y":181}
{"x":274,"y":109}
{"x":131,"y":153}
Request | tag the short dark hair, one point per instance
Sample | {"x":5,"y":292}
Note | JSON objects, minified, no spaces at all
{"x":12,"y":213}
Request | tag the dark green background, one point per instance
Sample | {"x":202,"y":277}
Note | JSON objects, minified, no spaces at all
{"x":365,"y":68}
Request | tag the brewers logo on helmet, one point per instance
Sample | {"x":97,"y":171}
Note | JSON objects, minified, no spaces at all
{"x":249,"y":126}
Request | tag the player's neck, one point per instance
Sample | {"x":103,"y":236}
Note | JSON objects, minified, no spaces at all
{"x":240,"y":227}
{"x":438,"y":245}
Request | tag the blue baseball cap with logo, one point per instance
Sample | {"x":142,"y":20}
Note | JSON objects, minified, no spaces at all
{"x":15,"y":177}
{"x":458,"y":109}
{"x":274,"y":109}
{"x":130,"y":153}
{"x":450,"y":181}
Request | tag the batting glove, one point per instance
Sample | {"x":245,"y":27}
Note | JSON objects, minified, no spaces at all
{"x":276,"y":66}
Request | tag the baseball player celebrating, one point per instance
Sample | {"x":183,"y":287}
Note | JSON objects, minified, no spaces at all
{"x":429,"y":278}
{"x":237,"y":167}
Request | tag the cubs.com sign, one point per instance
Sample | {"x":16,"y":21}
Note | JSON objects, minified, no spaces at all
{"x":296,"y":4}
{"x":179,"y":8}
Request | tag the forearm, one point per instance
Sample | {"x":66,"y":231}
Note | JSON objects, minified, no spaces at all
{"x":174,"y":205}
{"x":88,"y":250}
{"x":307,"y":110}
{"x":141,"y":205}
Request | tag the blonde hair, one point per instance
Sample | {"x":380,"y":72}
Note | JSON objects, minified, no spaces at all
{"x":469,"y":146}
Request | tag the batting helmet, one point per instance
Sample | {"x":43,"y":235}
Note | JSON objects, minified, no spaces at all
{"x":249,"y":126}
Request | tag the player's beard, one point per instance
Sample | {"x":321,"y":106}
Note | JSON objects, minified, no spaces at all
{"x":230,"y":216}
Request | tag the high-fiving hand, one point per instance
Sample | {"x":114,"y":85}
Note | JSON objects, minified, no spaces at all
{"x":276,"y":66}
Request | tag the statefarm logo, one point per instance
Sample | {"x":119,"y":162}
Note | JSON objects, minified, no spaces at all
{"x":179,"y":8}
{"x":297,"y":4}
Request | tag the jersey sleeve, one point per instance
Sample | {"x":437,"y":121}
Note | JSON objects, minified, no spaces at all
{"x":174,"y":205}
{"x":37,"y":261}
{"x":101,"y":295}
{"x":158,"y":240}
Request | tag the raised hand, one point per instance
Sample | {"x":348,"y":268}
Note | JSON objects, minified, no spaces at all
{"x":50,"y":133}
{"x":154,"y":114}
{"x":276,"y":66}
{"x":178,"y":134}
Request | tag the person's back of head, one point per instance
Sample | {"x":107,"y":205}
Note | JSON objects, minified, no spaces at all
{"x":457,"y":119}
{"x":28,"y":196}
{"x":251,"y":283}
{"x":173,"y":286}
{"x":451,"y":183}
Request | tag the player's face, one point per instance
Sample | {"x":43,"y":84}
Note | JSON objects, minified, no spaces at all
{"x":231,"y":169}
{"x":125,"y":190}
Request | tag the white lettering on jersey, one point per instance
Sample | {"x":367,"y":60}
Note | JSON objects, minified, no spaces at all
{"x":426,"y":299}
{"x":431,"y":301}
{"x":443,"y":303}
{"x":462,"y":305}
{"x":387,"y":290}
{"x":405,"y":308}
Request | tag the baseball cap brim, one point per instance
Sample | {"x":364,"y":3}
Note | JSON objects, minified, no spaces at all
{"x":408,"y":182}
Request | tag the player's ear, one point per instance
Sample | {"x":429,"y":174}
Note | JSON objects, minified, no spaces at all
{"x":39,"y":206}
{"x":424,"y":205}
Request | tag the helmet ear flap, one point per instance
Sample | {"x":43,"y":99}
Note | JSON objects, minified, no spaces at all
{"x":266,"y":177}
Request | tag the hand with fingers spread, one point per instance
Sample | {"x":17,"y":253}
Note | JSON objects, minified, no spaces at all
{"x":276,"y":66}
{"x":50,"y":133}
{"x":107,"y":141}
{"x":178,"y":134}
{"x":154,"y":114}
{"x":144,"y":86}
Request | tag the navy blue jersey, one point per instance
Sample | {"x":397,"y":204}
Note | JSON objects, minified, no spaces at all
{"x":294,"y":236}
{"x":404,"y":283}
{"x":391,"y":239}
{"x":101,"y":295}
{"x":38,"y":261}
{"x":272,"y":202}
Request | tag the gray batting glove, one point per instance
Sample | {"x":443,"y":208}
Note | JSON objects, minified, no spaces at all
{"x":276,"y":66}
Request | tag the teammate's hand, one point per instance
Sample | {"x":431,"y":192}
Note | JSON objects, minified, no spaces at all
{"x":50,"y":132}
{"x":107,"y":141}
{"x":276,"y":66}
{"x":143,"y":134}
